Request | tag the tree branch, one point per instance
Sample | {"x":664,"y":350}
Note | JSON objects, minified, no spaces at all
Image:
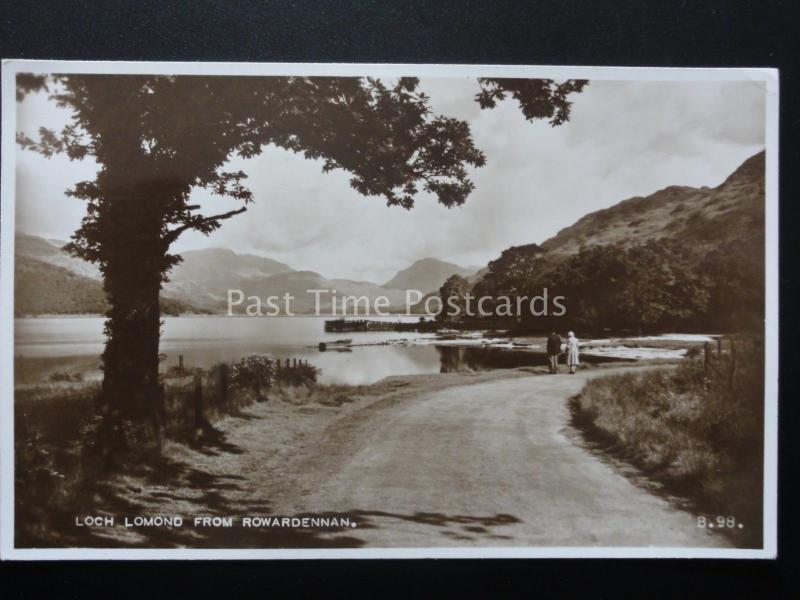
{"x":173,"y":235}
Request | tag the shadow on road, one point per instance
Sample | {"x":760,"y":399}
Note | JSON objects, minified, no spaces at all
{"x":169,"y":488}
{"x":166,"y":487}
{"x":454,"y":527}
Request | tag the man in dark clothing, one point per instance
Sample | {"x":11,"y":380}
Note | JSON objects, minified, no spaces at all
{"x":553,"y":350}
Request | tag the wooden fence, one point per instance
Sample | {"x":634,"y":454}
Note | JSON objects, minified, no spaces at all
{"x":194,"y":398}
{"x":723,"y":356}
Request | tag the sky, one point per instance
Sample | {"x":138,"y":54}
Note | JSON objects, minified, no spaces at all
{"x":624,"y":139}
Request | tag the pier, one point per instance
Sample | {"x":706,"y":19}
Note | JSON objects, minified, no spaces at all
{"x":362,"y":325}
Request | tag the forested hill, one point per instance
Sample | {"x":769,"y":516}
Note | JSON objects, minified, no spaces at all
{"x":682,"y":259}
{"x":699,"y":218}
{"x":42,"y":288}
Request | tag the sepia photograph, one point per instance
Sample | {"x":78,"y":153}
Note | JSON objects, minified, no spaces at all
{"x":387,"y":311}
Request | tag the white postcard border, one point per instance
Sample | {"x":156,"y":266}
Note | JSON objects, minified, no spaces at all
{"x":7,"y":220}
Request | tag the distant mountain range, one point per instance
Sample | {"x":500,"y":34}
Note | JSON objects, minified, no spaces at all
{"x":48,"y":280}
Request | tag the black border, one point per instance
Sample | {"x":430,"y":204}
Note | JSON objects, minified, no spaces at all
{"x":714,"y":33}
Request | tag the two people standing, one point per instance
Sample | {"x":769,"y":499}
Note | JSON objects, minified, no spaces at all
{"x":554,"y":350}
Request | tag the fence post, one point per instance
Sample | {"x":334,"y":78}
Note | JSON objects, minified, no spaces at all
{"x":223,"y":383}
{"x":180,"y":363}
{"x":706,"y":357}
{"x":198,"y":400}
{"x":294,"y":363}
{"x":719,"y":345}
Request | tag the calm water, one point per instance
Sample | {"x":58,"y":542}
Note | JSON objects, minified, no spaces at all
{"x":45,"y":345}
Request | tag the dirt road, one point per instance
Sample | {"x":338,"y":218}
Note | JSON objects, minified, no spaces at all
{"x":490,"y":463}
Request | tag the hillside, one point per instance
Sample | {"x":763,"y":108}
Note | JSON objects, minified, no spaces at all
{"x":701,"y":218}
{"x":205,"y":276}
{"x":426,"y":275}
{"x":681,"y":259}
{"x":50,"y":252}
{"x":297,"y":283}
{"x":218,"y":266}
{"x":43,"y":288}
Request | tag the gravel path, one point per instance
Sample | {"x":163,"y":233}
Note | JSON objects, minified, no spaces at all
{"x":488,"y":461}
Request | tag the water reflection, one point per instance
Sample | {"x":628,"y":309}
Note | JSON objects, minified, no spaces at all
{"x":455,"y":359}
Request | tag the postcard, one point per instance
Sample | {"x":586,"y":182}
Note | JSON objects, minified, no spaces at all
{"x":387,"y":311}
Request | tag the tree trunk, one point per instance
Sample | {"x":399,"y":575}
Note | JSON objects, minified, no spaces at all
{"x":131,"y":396}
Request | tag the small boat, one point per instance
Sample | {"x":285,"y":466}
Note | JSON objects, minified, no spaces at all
{"x":335,"y":344}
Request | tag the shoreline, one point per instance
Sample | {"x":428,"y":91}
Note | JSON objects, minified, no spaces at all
{"x":666,"y":346}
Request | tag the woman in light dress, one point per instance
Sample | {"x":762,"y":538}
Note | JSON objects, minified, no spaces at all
{"x":572,"y":352}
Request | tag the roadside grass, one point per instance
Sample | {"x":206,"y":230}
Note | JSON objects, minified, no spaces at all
{"x":695,"y":429}
{"x":323,"y":394}
{"x":60,"y":473}
{"x":61,"y":466}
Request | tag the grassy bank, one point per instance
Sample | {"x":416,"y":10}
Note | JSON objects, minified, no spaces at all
{"x":58,"y":475}
{"x":696,"y":428}
{"x":59,"y":458}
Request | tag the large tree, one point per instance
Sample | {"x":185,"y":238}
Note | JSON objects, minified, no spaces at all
{"x":156,"y":138}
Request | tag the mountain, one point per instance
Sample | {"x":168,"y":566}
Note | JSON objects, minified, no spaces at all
{"x":205,"y":276}
{"x":218,"y":265}
{"x":701,"y":218}
{"x":50,"y":281}
{"x":426,"y":275}
{"x":297,"y":283}
{"x":47,"y":280}
{"x":50,"y":252}
{"x":43,"y":288}
{"x":681,"y":259}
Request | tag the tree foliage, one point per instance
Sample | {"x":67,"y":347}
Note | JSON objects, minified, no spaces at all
{"x":157,"y":138}
{"x":656,"y":286}
{"x":452,"y":293}
{"x":168,"y":135}
{"x":537,"y":98}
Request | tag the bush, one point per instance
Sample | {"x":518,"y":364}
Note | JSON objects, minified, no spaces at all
{"x":698,"y":429}
{"x":52,"y":427}
{"x":256,"y":372}
{"x":58,"y":376}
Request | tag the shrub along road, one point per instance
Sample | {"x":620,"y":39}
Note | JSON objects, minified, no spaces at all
{"x":494,"y":462}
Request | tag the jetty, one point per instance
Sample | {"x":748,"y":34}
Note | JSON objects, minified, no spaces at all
{"x":361,"y":325}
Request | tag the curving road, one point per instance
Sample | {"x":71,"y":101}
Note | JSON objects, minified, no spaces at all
{"x":486,"y":464}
